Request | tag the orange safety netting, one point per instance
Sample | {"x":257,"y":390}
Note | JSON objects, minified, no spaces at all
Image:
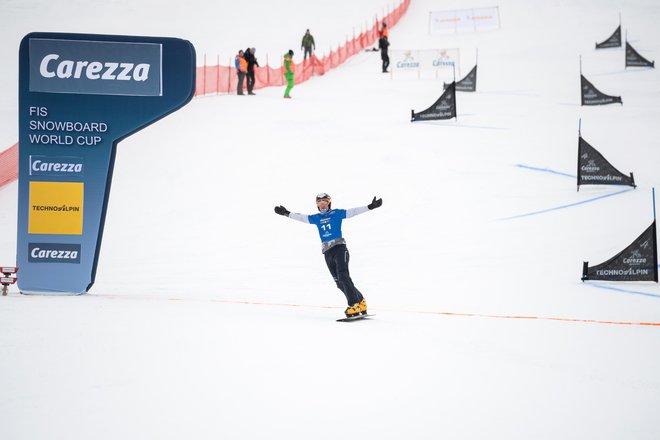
{"x":9,"y":165}
{"x":222,"y":79}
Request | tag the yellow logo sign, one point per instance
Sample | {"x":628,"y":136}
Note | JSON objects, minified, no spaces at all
{"x":56,"y":208}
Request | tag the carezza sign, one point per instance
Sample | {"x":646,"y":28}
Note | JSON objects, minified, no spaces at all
{"x":79,"y":96}
{"x":95,"y":67}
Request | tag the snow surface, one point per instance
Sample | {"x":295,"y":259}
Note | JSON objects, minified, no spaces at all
{"x":212,"y":317}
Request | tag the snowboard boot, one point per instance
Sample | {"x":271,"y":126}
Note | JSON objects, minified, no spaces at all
{"x":363,"y":307}
{"x":353,"y":310}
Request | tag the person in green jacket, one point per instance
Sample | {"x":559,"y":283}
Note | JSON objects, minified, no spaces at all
{"x":307,"y":44}
{"x":288,"y":69}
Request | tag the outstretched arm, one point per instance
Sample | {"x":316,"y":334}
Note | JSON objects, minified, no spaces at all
{"x":375,"y":203}
{"x":281,"y":210}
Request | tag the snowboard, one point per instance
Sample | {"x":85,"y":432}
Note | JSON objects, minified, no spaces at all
{"x":354,"y":318}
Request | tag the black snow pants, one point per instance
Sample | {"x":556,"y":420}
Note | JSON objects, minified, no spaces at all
{"x":250,"y":81}
{"x":337,"y":260}
{"x":386,"y":61}
{"x":239,"y":87}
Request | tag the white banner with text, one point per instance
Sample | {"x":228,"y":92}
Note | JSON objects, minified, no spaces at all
{"x":464,"y":20}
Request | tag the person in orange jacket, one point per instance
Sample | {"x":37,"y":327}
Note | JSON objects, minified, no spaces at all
{"x":241,"y":70}
{"x":288,"y":69}
{"x":383,"y":31}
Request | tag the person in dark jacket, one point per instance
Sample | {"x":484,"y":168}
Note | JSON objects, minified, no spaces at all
{"x":307,"y":44}
{"x":383,"y":44}
{"x":251,"y":62}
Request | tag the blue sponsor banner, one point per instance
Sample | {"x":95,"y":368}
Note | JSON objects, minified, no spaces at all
{"x":79,"y":95}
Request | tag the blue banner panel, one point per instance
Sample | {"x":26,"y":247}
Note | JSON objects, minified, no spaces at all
{"x":79,"y":95}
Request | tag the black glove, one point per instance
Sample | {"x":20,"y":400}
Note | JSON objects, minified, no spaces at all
{"x":281,"y":210}
{"x":375,"y":203}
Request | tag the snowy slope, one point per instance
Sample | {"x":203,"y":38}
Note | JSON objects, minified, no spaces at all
{"x":213,"y":317}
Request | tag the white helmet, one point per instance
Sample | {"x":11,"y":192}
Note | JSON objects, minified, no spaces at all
{"x":323,"y":198}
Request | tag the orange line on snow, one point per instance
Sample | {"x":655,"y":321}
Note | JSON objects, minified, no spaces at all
{"x":542,"y":318}
{"x":470,"y":315}
{"x":420,"y":312}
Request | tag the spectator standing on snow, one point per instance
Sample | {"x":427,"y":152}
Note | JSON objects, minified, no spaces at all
{"x":307,"y":44}
{"x":241,"y":70}
{"x":288,"y":69}
{"x":383,"y":44}
{"x":251,"y":62}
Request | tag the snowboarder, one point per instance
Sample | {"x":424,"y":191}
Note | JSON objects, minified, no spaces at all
{"x":288,"y":69}
{"x":328,"y":221}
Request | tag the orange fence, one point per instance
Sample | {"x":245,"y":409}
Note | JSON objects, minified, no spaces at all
{"x":9,"y":165}
{"x":212,"y":80}
{"x":216,"y":79}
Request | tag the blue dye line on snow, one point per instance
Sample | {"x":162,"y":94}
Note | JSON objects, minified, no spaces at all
{"x":546,"y":170}
{"x":618,"y":289}
{"x":570,"y":205}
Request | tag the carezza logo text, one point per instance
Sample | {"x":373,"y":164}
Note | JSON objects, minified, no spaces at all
{"x":53,"y":253}
{"x":51,"y":65}
{"x":95,"y":67}
{"x":56,"y":166}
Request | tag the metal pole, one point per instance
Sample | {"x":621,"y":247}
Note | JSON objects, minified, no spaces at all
{"x":455,"y":103}
{"x":580,"y":64}
{"x":653,"y":191}
{"x":578,"y":158}
{"x":459,"y":62}
{"x":204,"y":88}
{"x":626,"y":58}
